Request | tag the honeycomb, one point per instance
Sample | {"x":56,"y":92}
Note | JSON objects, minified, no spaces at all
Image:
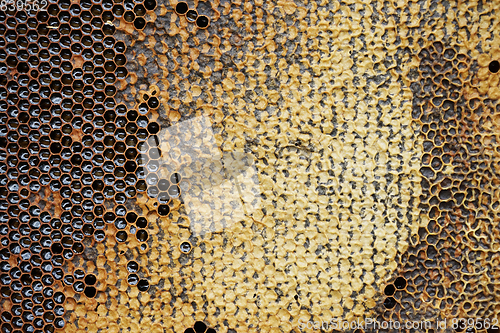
{"x":248,"y":166}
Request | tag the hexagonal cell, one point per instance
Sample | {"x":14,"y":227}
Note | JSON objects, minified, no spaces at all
{"x":139,"y":10}
{"x":163,"y":210}
{"x":129,"y":16}
{"x":389,"y":290}
{"x":181,"y":8}
{"x":142,"y":235}
{"x":200,"y":327}
{"x":143,"y":285}
{"x":133,"y":279}
{"x":121,"y":236}
{"x":90,"y":291}
{"x":494,"y":66}
{"x":150,"y":4}
{"x":90,"y":280}
{"x":79,"y":286}
{"x":202,"y":21}
{"x":141,"y":222}
{"x":185,"y":247}
{"x":132,"y":266}
{"x":390,"y":303}
{"x":191,"y":15}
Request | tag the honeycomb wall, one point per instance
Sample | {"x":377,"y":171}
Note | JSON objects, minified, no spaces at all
{"x":374,"y":132}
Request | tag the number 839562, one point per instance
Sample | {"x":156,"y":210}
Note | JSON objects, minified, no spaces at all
{"x":20,"y":5}
{"x":477,"y":323}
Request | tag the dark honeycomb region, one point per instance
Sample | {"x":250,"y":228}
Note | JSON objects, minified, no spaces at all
{"x":134,"y":12}
{"x":68,"y":154}
{"x":192,"y":16}
{"x":438,"y":267}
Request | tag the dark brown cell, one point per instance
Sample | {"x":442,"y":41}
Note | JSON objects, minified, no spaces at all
{"x":185,"y":247}
{"x":174,"y":191}
{"x":400,"y":283}
{"x":390,"y":302}
{"x":90,"y":292}
{"x":132,"y":266}
{"x":181,"y":8}
{"x":200,"y":327}
{"x":133,"y":279}
{"x":389,"y":290}
{"x":141,"y":222}
{"x":494,"y":66}
{"x":139,"y":10}
{"x":191,"y":15}
{"x":143,"y":285}
{"x":90,"y":280}
{"x":150,"y":4}
{"x":142,"y":235}
{"x":118,"y":10}
{"x":139,"y":23}
{"x":163,"y":210}
{"x":129,"y":16}
{"x":202,"y":22}
{"x":121,"y":236}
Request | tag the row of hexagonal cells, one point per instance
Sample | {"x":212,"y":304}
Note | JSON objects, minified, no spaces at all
{"x":202,"y":21}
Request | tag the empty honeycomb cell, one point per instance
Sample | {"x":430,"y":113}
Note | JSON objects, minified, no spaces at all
{"x":132,"y":266}
{"x":389,"y":290}
{"x":129,"y":16}
{"x":121,"y":236}
{"x":174,"y":191}
{"x":390,"y":302}
{"x":163,"y":184}
{"x":175,"y":178}
{"x":200,"y":327}
{"x":90,"y":280}
{"x":185,"y":247}
{"x":142,"y":235}
{"x":118,"y":10}
{"x":133,"y":279}
{"x":150,"y":4}
{"x":191,"y":15}
{"x":181,"y":8}
{"x":153,"y":128}
{"x":90,"y":291}
{"x":494,"y":66}
{"x":202,"y":21}
{"x":139,"y":10}
{"x":163,"y":210}
{"x":143,"y":285}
